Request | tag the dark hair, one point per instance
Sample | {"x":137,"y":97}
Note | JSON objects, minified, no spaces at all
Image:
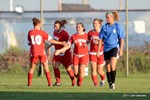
{"x":99,"y":21}
{"x":113,"y":13}
{"x":35,"y":21}
{"x":61,"y":23}
{"x":82,"y":26}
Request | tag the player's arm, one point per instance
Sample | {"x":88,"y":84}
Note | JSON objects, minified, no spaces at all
{"x":29,"y":40}
{"x":57,"y":42}
{"x":121,"y":46}
{"x":121,"y":37}
{"x":66,"y":47}
{"x":99,"y":47}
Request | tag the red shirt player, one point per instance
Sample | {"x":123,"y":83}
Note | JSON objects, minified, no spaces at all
{"x":62,"y":35}
{"x":80,"y":55}
{"x":36,"y":38}
{"x":97,"y":63}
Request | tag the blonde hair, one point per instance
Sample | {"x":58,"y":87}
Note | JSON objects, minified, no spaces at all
{"x":114,"y":14}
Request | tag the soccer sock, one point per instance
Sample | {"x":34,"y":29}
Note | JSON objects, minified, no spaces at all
{"x":95,"y":80}
{"x":48,"y":76}
{"x":57,"y":74}
{"x":72,"y":76}
{"x":109,"y":78}
{"x":113,"y":76}
{"x":30,"y":75}
{"x":79,"y":81}
{"x":102,"y":77}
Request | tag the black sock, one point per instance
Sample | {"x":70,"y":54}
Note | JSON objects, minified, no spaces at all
{"x":109,"y":78}
{"x":113,"y":76}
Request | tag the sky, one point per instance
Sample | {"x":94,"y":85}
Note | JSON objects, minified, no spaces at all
{"x":53,"y":4}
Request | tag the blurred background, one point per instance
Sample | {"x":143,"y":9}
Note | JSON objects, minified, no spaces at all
{"x":16,"y":20}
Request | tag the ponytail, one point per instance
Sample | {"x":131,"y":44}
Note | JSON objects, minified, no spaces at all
{"x":116,"y":15}
{"x":35,"y":21}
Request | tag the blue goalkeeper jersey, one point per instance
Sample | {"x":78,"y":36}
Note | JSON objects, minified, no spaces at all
{"x":111,"y":34}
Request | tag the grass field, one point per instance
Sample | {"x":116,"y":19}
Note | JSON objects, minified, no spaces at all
{"x":135,"y":87}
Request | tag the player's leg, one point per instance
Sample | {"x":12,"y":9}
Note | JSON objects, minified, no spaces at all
{"x":56,"y":64}
{"x":57,"y":74}
{"x":93,"y":60}
{"x":108,"y":73}
{"x":113,"y":61}
{"x":75,"y":65}
{"x":30,"y":74}
{"x":81,"y":75}
{"x":102,"y":74}
{"x":83,"y":61}
{"x":100,"y":69}
{"x":68,"y":65}
{"x":94,"y":73}
{"x":47,"y":72}
{"x":33,"y":61}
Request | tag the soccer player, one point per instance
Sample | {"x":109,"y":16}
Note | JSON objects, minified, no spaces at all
{"x":113,"y":38}
{"x":36,"y":38}
{"x":65,"y":58}
{"x":97,"y":63}
{"x":80,"y":55}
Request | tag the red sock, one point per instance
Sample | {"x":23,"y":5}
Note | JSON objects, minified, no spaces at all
{"x":72,"y":77}
{"x":30,"y":75}
{"x":79,"y":81}
{"x":95,"y":80}
{"x":48,"y":76}
{"x":57,"y":74}
{"x":102,"y":77}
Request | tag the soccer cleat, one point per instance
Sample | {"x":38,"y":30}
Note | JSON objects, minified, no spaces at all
{"x":112,"y":86}
{"x":57,"y":84}
{"x":102,"y":83}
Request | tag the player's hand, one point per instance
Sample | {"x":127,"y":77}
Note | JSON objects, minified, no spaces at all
{"x":120,"y":52}
{"x":97,"y":54}
{"x":57,"y":52}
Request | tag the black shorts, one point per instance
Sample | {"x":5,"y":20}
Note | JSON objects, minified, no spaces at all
{"x":111,"y":53}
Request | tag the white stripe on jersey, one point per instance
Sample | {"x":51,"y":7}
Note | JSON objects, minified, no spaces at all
{"x":94,"y":53}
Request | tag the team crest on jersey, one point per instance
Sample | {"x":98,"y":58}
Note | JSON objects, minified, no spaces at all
{"x":114,"y":30}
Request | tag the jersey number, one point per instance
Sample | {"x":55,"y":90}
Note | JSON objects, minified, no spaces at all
{"x":36,"y":39}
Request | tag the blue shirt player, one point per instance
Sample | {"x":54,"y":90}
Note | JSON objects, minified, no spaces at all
{"x":112,"y":36}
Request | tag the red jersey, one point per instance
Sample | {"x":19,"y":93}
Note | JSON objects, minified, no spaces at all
{"x":80,"y":43}
{"x":61,"y":36}
{"x":36,"y":40}
{"x":94,"y":39}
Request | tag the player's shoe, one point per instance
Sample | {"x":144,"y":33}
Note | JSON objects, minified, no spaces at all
{"x":102,"y":83}
{"x":112,"y":86}
{"x":57,"y":84}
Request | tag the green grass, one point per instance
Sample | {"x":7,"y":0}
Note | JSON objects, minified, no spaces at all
{"x":133,"y":87}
